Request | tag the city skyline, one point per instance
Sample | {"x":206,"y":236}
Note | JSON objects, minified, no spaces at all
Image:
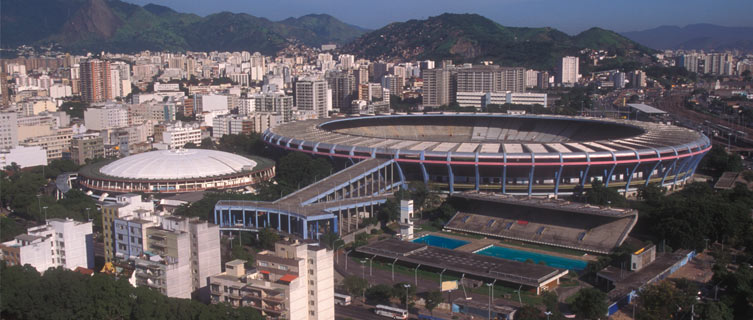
{"x":622,"y":17}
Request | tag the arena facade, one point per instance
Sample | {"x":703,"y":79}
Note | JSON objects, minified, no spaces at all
{"x":511,"y":154}
{"x":175,"y":171}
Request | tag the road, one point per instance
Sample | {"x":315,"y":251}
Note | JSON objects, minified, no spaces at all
{"x":356,"y":312}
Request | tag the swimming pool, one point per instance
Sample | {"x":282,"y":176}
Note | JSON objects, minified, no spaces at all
{"x":522,"y":256}
{"x":442,"y":242}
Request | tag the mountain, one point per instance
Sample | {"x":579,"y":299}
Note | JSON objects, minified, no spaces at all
{"x":471,"y":37}
{"x":113,"y":25}
{"x":320,"y":26}
{"x":695,"y":36}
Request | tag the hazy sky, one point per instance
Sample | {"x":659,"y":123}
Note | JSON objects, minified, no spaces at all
{"x":571,"y":16}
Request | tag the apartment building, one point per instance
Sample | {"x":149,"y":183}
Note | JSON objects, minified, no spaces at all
{"x":58,"y":243}
{"x":295,"y":281}
{"x":179,"y":257}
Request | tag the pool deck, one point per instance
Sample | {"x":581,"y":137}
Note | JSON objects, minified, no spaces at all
{"x":478,"y":244}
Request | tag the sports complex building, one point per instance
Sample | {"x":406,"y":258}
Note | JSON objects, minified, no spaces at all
{"x":511,"y":154}
{"x":175,"y":171}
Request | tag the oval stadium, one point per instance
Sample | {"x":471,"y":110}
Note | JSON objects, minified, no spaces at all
{"x":176,"y":171}
{"x":511,"y":154}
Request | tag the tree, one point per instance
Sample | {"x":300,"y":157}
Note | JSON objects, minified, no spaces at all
{"x":64,"y":294}
{"x":433,"y":299}
{"x":528,"y":312}
{"x":388,"y":211}
{"x":267,"y":238}
{"x":653,"y":194}
{"x":590,"y":303}
{"x":362,"y":239}
{"x":399,"y":290}
{"x":380,"y":294}
{"x":551,"y":303}
{"x":663,"y":300}
{"x":355,"y":286}
{"x":332,"y":240}
{"x":601,"y":195}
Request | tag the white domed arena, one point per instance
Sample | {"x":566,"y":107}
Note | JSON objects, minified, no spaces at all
{"x":176,"y":171}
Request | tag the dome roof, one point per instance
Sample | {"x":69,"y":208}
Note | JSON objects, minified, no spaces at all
{"x":177,"y":164}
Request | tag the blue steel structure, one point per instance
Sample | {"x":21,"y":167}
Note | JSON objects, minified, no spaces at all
{"x":518,"y":155}
{"x":336,"y":204}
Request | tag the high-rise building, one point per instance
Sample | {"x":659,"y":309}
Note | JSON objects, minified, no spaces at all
{"x":295,"y":281}
{"x":106,"y":116}
{"x":8,"y":130}
{"x":638,"y":79}
{"x":491,"y":79}
{"x":569,"y":70}
{"x":276,"y":103}
{"x":439,"y":86}
{"x":179,"y":257}
{"x":343,"y":86}
{"x":126,"y":206}
{"x":542,"y":80}
{"x":531,"y":78}
{"x":96,"y":81}
{"x":311,"y":95}
{"x":86,"y":146}
{"x":58,"y":243}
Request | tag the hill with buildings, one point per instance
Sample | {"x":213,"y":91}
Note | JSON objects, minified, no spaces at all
{"x":695,"y":37}
{"x":472,"y":38}
{"x":113,"y":25}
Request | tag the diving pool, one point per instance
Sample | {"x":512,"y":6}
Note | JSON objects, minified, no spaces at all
{"x":523,"y":256}
{"x":442,"y":242}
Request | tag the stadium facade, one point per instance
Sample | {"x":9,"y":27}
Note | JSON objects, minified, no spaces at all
{"x":510,"y":154}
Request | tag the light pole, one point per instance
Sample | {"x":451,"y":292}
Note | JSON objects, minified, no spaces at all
{"x":489,"y":284}
{"x":363,"y":269}
{"x":87,"y":215}
{"x":39,"y":203}
{"x":406,"y":285}
{"x":346,"y":259}
{"x":45,"y":214}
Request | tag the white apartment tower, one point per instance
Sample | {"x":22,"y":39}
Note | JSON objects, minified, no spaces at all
{"x":311,"y":95}
{"x":569,"y":72}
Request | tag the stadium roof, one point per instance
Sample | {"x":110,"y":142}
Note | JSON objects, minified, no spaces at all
{"x":645,"y":108}
{"x":178,"y":164}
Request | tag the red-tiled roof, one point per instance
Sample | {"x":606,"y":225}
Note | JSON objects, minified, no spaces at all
{"x":84,"y":271}
{"x":264,"y":272}
{"x":288,"y":278}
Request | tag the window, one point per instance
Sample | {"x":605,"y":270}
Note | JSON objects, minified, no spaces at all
{"x":120,"y":237}
{"x":311,"y":272}
{"x":263,"y":264}
{"x":283,"y":267}
{"x":311,"y":312}
{"x":311,"y":302}
{"x":311,"y":261}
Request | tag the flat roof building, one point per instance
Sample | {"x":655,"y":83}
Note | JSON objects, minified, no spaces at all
{"x":295,"y":281}
{"x":58,"y":243}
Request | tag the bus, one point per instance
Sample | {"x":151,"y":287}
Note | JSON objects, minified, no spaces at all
{"x":391,"y":312}
{"x":342,"y":299}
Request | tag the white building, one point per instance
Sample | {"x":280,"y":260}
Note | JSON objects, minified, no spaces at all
{"x":569,"y":73}
{"x":59,"y":243}
{"x":106,"y":116}
{"x":23,"y":156}
{"x":180,"y":256}
{"x":177,"y":136}
{"x":311,"y":95}
{"x":480,"y":100}
{"x":295,"y":281}
{"x":8,"y":130}
{"x":211,"y":102}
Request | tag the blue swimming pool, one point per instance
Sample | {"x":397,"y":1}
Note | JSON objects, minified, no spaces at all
{"x":442,"y":242}
{"x":522,"y":256}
